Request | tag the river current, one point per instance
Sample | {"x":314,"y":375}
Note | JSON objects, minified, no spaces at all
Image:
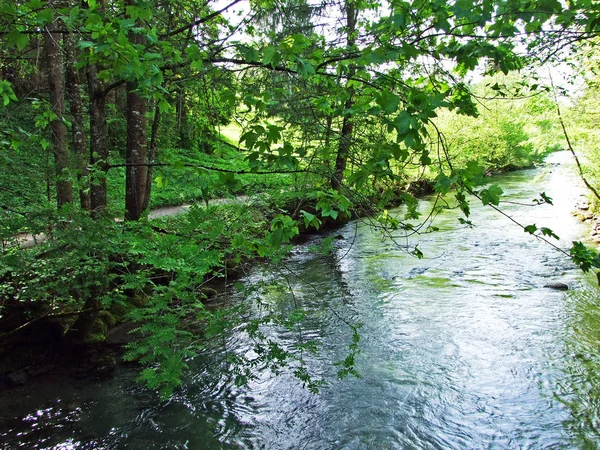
{"x":463,"y":349}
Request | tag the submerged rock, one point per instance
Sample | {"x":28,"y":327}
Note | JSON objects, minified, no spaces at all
{"x":557,"y":285}
{"x":18,"y":378}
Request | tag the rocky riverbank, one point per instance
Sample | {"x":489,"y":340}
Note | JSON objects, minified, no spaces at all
{"x":585,"y":213}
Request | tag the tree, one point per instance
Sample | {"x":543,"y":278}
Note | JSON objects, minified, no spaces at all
{"x":135,"y":182}
{"x":56,"y":82}
{"x":345,"y":141}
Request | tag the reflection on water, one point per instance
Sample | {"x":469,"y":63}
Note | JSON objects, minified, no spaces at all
{"x":578,"y":387}
{"x":462,"y":349}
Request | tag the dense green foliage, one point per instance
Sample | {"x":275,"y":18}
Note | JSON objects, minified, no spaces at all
{"x":328,"y":121}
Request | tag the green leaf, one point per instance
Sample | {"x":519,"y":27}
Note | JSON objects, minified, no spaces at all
{"x":388,"y":101}
{"x":466,"y":222}
{"x":177,"y":165}
{"x":7,"y":92}
{"x":548,"y":232}
{"x":531,"y":229}
{"x":250,"y":137}
{"x":45,"y":16}
{"x":417,"y":252}
{"x":584,"y":257}
{"x":491,"y":195}
{"x":402,"y":123}
{"x":443,"y":183}
{"x":270,"y":55}
{"x":273,"y":133}
{"x":85,"y":44}
{"x":545,"y":198}
{"x":197,"y":64}
{"x":164,"y":105}
{"x":17,"y":39}
{"x":229,"y":180}
{"x":310,"y":220}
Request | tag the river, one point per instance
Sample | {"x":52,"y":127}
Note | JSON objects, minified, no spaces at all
{"x":463,"y":349}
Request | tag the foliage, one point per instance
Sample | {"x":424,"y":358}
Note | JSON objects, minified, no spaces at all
{"x":515,"y":126}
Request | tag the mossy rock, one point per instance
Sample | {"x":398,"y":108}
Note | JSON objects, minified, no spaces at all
{"x":107,"y":318}
{"x":208,"y":293}
{"x":98,"y":332}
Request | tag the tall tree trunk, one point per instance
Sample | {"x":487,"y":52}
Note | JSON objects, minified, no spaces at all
{"x":54,"y":63}
{"x":98,"y":140}
{"x":77,"y":128}
{"x":347,"y":124}
{"x":183,"y":136}
{"x":135,"y":178}
{"x":152,"y":156}
{"x":135,"y":157}
{"x":98,"y":160}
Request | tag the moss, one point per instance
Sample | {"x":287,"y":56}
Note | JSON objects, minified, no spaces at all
{"x":98,"y":332}
{"x":208,"y":293}
{"x":107,"y":318}
{"x":95,"y":338}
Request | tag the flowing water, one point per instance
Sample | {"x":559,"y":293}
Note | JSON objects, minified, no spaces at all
{"x":463,"y":349}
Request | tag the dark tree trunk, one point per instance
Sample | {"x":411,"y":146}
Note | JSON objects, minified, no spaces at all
{"x":80,"y":152}
{"x":98,"y":140}
{"x":183,"y":132}
{"x":135,"y":179}
{"x":98,"y":160}
{"x":341,"y":159}
{"x":152,"y":156}
{"x":81,"y":328}
{"x":135,"y":157}
{"x":54,"y":62}
{"x":345,"y":142}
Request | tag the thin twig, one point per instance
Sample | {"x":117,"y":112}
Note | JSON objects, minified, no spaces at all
{"x":564,"y":129}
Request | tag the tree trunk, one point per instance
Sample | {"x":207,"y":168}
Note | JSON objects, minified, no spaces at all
{"x":98,"y":141}
{"x":80,"y":330}
{"x":98,"y":160}
{"x":54,"y":62}
{"x":135,"y":157}
{"x":77,"y":128}
{"x":152,"y":156}
{"x":135,"y":179}
{"x":345,"y":142}
{"x":183,"y":132}
{"x":343,"y":152}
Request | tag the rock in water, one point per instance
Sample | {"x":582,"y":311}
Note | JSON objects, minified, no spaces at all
{"x":557,"y":285}
{"x":18,"y":378}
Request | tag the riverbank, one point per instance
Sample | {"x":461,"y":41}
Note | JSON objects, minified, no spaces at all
{"x":584,"y":213}
{"x":32,"y":338}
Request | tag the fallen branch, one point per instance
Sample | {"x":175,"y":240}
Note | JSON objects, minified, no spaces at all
{"x":47,"y":316}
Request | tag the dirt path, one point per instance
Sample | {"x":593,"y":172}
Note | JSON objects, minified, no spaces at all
{"x":28,"y":240}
